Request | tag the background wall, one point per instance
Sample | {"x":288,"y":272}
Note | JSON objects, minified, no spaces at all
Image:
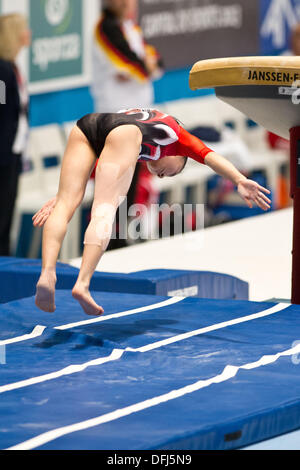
{"x":58,"y":64}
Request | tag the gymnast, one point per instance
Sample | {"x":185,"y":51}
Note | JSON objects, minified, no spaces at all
{"x":119,"y":140}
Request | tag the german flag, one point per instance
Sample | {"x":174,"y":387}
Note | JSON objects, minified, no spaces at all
{"x":109,"y":36}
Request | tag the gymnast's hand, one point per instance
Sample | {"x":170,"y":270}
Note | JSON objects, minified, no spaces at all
{"x":252,"y":192}
{"x":42,"y":215}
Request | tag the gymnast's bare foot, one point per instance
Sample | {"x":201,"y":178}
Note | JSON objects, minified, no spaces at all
{"x":45,"y":291}
{"x":82,"y":294}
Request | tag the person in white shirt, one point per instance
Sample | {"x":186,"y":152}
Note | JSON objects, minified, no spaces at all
{"x":294,"y":42}
{"x":124,"y":67}
{"x":123,"y":64}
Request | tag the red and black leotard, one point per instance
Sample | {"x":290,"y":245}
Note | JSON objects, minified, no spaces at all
{"x":162,"y":134}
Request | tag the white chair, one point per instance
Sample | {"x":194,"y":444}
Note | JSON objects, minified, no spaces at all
{"x":39,"y":183}
{"x":67,"y":128}
{"x":47,"y":142}
{"x":194,"y":112}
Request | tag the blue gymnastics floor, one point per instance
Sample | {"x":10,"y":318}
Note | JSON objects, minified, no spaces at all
{"x":151,"y":373}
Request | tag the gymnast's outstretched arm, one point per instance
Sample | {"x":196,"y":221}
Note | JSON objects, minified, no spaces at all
{"x":249,"y":190}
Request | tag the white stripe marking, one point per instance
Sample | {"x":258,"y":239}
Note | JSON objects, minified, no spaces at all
{"x":118,"y":353}
{"x":217,"y":326}
{"x":171,"y":301}
{"x":37,"y":331}
{"x":228,"y":373}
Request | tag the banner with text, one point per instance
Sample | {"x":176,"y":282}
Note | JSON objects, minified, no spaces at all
{"x":185,"y":31}
{"x":58,"y":44}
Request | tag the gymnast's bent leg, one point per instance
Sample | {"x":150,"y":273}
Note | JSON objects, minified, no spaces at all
{"x":113,"y":178}
{"x":78,"y":163}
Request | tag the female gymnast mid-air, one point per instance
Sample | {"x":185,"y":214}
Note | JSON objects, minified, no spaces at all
{"x":119,"y":140}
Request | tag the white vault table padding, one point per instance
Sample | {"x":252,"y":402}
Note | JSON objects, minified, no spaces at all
{"x":256,"y":249}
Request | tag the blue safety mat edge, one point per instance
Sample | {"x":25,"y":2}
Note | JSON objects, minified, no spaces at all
{"x":18,"y":278}
{"x":265,"y":424}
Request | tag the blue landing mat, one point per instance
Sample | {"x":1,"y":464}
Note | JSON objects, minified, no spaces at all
{"x":18,"y":278}
{"x":156,"y":376}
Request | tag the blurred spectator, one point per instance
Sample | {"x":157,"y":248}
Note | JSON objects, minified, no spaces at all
{"x":277,"y":142}
{"x":123,"y":64}
{"x":294,"y":42}
{"x":14,"y":35}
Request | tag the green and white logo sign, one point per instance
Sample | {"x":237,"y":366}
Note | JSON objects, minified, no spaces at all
{"x":57,"y":11}
{"x":57,"y":40}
